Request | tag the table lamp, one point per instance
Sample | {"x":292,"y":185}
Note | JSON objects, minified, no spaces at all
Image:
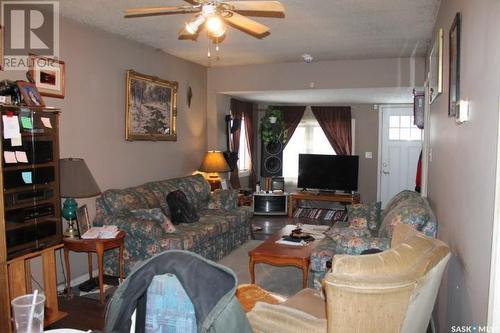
{"x":213,"y":163}
{"x":76,"y":182}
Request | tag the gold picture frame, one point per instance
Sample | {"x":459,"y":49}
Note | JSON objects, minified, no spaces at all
{"x":435,"y":68}
{"x":151,"y":108}
{"x":82,"y":220}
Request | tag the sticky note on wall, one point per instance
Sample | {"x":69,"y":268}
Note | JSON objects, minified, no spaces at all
{"x":26,"y":122}
{"x":9,"y":157}
{"x":11,"y":127}
{"x":27,"y":177}
{"x":46,"y":122}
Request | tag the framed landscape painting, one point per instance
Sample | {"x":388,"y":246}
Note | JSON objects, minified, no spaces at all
{"x":151,"y":108}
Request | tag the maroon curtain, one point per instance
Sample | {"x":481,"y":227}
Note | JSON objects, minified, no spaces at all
{"x":292,"y":115}
{"x":336,"y":124}
{"x":239,"y":110}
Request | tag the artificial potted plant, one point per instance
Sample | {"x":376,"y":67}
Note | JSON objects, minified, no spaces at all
{"x":272,"y":127}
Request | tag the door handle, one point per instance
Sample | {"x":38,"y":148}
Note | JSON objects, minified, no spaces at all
{"x":384,"y":169}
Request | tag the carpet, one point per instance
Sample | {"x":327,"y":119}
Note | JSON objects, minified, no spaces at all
{"x":285,"y":280}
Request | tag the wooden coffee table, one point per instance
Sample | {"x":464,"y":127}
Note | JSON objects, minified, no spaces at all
{"x":281,"y":255}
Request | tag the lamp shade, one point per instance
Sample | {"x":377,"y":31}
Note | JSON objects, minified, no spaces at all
{"x":76,"y":179}
{"x":214,"y":161}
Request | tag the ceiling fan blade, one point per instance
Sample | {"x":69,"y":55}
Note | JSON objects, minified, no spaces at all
{"x":245,"y":24}
{"x":257,"y":8}
{"x":167,"y":10}
{"x":184,"y":34}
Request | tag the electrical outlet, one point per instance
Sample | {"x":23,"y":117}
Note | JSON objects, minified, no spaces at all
{"x":368,"y":154}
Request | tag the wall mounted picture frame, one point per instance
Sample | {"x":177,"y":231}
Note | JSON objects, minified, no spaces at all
{"x":82,"y":220}
{"x":31,"y":96}
{"x":1,"y":47}
{"x":454,"y":73}
{"x":48,"y":75}
{"x":151,"y":108}
{"x":435,"y":65}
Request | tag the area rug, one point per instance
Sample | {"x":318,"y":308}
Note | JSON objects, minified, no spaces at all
{"x":285,"y":281}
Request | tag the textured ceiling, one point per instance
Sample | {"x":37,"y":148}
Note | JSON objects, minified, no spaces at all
{"x":329,"y":96}
{"x":327,"y":29}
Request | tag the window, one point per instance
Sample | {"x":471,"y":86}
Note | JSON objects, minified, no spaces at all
{"x":244,"y":161}
{"x":403,"y":128}
{"x":308,"y":138}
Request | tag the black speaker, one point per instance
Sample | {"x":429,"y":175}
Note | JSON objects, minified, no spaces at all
{"x":272,"y":159}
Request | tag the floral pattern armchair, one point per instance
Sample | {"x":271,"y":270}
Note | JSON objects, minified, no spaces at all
{"x":368,"y":229}
{"x":141,"y":211}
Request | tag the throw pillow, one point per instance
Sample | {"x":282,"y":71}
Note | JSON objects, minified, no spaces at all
{"x":370,"y":212}
{"x":181,"y":210}
{"x":154,"y":214}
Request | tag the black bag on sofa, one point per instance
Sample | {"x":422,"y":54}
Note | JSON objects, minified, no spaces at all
{"x":181,"y":209}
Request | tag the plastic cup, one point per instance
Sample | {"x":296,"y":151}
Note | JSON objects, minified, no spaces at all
{"x":21,"y":307}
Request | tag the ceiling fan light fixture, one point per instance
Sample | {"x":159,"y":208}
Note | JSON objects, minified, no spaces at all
{"x":193,"y":26}
{"x":215,"y":26}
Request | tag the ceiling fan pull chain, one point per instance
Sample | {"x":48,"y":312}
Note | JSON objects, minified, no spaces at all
{"x":217,"y":48}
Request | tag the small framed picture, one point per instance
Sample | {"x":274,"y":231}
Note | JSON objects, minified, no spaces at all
{"x":48,"y":74}
{"x":454,"y":74}
{"x":224,"y":184}
{"x":82,"y":220}
{"x":30,"y":94}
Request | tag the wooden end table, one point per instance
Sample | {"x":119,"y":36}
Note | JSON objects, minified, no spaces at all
{"x":281,"y":255}
{"x":98,"y":246}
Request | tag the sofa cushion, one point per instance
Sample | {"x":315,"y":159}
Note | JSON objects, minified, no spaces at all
{"x":181,"y":210}
{"x":223,"y":199}
{"x":370,"y":212}
{"x":196,"y":189}
{"x":309,"y":301}
{"x":414,"y":211}
{"x":154,"y":214}
{"x":122,"y":200}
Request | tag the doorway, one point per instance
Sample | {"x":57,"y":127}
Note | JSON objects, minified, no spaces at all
{"x":400,"y":143}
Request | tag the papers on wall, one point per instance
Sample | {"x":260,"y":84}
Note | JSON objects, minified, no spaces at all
{"x":21,"y":157}
{"x":9,"y":157}
{"x":27,"y":177}
{"x":106,"y":232}
{"x":11,"y":127}
{"x":46,"y":122}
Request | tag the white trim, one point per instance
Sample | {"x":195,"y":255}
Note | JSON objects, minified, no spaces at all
{"x":353,"y":136}
{"x":426,"y":142}
{"x":379,"y":153}
{"x":381,"y":108}
{"x":494,"y":292}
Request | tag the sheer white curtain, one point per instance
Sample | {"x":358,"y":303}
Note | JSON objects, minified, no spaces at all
{"x":308,"y":138}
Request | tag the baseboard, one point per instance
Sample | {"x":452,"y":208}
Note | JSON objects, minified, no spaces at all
{"x":76,"y":281}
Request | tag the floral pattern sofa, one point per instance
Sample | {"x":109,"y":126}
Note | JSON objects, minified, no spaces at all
{"x":368,"y":228}
{"x":141,"y":211}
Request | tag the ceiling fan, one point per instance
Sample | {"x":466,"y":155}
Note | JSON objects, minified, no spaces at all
{"x":212,"y":14}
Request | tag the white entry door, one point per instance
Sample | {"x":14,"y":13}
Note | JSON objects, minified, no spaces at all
{"x":401,"y":143}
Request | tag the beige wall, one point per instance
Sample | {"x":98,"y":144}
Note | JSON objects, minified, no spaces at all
{"x":463,"y":166}
{"x":376,"y":73}
{"x":93,"y":113}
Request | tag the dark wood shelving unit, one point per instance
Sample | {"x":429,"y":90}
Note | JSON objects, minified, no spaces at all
{"x":30,"y":209}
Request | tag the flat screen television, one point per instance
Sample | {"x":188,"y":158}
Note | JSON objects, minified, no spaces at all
{"x":328,"y":172}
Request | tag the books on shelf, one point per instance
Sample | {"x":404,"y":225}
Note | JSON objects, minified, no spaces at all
{"x":105,"y":232}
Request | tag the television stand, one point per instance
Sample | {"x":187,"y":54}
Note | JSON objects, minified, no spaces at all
{"x":347,"y":198}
